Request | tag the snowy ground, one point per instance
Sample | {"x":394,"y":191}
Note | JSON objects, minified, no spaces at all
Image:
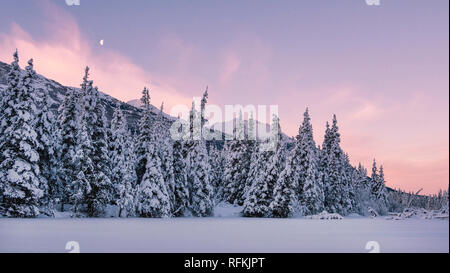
{"x":226,"y":233}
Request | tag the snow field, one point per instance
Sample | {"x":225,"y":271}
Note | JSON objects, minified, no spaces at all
{"x":223,"y":234}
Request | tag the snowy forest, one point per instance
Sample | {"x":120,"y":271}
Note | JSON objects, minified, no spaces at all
{"x":80,"y":161}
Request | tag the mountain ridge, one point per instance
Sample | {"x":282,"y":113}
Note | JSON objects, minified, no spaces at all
{"x":57,"y":91}
{"x":132,"y":111}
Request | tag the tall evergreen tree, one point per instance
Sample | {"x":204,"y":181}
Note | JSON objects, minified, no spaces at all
{"x":362,"y":190}
{"x":336,"y":191}
{"x":198,"y":178}
{"x":203,"y":102}
{"x":130,"y":165}
{"x":153,"y":196}
{"x":375,"y":178}
{"x":217,"y":170}
{"x":94,"y":121}
{"x":350,"y":180}
{"x":66,"y":148}
{"x":181,"y":193}
{"x":323,"y":164}
{"x":378,"y":188}
{"x":252,"y":153}
{"x":165,"y":153}
{"x":19,"y":168}
{"x":382,"y":185}
{"x":285,"y":200}
{"x":237,"y":166}
{"x":45,"y":129}
{"x":201,"y":192}
{"x":198,"y":175}
{"x":84,"y":171}
{"x":144,"y":137}
{"x":253,"y":172}
{"x":270,"y":165}
{"x":362,"y":176}
{"x":310,"y":184}
{"x":14,"y":82}
{"x":122,"y":170}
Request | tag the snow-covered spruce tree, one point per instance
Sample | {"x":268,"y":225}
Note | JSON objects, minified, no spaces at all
{"x":350,"y":180}
{"x":45,"y":129}
{"x":323,"y":164}
{"x":382,"y":192}
{"x":345,"y":184}
{"x":144,"y":137}
{"x":130,"y":165}
{"x":153,"y":197}
{"x":201,"y":203}
{"x":374,"y":176}
{"x":122,"y":170}
{"x":165,"y":152}
{"x":217,"y":170}
{"x":67,"y":132}
{"x":310,"y":184}
{"x":254,"y":168}
{"x":84,"y":170}
{"x":336,"y":191}
{"x":19,"y":168}
{"x":285,"y":198}
{"x":259,"y":195}
{"x":14,"y":82}
{"x":94,"y":121}
{"x":252,"y":155}
{"x":237,"y":166}
{"x":187,"y":143}
{"x":249,"y":147}
{"x":198,"y":172}
{"x":361,"y":180}
{"x":378,"y":188}
{"x":203,"y":102}
{"x":270,"y":165}
{"x":366,"y":199}
{"x":181,"y":192}
{"x":362,"y":191}
{"x":289,"y":186}
{"x":224,"y":155}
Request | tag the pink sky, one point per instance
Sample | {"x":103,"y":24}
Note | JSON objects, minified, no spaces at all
{"x":391,"y":99}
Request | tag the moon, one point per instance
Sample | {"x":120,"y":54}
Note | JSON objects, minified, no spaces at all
{"x":101,"y":42}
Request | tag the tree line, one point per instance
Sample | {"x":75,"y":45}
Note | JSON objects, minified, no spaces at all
{"x":79,"y":161}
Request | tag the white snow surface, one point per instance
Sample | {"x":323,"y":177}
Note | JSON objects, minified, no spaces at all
{"x":227,"y":232}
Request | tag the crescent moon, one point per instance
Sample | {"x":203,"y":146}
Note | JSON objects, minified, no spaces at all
{"x":101,"y":42}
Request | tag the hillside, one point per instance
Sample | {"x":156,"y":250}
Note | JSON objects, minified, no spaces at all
{"x":57,"y":92}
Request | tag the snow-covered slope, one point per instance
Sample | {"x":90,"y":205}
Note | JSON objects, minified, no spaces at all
{"x":138,"y":104}
{"x":57,"y":92}
{"x":131,"y":109}
{"x":262,"y":129}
